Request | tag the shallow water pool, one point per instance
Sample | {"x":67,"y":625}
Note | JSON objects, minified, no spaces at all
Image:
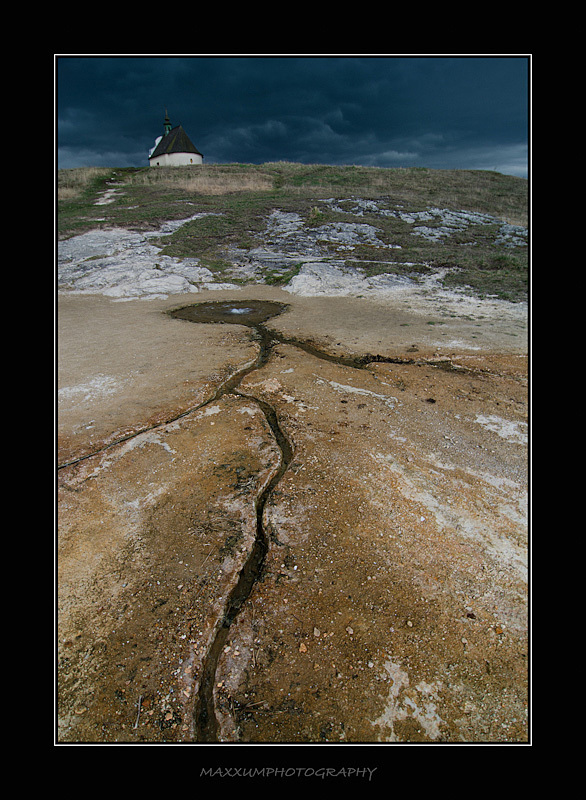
{"x":244,"y":312}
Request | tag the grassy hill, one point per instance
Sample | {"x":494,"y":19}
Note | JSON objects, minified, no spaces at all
{"x":242,"y":196}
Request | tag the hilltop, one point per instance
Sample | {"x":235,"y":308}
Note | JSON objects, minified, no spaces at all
{"x":466,"y":228}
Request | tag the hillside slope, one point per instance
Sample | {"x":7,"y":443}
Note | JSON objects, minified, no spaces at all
{"x":292,"y":456}
{"x":260,"y":224}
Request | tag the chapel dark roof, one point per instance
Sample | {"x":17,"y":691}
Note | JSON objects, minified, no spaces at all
{"x":176,"y":141}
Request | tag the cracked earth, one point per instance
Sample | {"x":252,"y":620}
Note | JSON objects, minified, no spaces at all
{"x":391,"y":605}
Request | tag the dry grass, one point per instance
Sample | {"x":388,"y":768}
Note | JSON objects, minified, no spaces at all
{"x":204,"y":181}
{"x":73,"y":182}
{"x":67,"y":192}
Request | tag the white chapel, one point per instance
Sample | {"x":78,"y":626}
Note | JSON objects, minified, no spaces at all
{"x":174,"y":148}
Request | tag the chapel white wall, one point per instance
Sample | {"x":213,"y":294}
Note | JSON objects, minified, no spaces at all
{"x":176,"y":160}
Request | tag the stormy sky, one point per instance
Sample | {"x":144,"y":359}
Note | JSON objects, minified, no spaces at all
{"x":441,"y":112}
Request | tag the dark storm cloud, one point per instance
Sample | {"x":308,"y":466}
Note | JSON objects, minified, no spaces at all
{"x":440,"y":112}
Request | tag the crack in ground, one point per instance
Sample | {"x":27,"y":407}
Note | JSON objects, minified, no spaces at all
{"x":206,"y":724}
{"x":252,"y":314}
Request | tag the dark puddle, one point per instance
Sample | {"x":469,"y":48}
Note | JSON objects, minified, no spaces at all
{"x":250,"y":312}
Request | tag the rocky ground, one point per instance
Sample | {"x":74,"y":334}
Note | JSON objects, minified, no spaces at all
{"x":392,"y":603}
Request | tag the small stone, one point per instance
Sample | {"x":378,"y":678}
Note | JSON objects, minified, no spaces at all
{"x":302,"y":648}
{"x":350,"y":630}
{"x":316,"y":631}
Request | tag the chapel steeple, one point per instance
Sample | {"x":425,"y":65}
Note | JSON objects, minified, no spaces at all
{"x":167,"y":123}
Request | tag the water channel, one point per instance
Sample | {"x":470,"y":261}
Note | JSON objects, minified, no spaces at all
{"x":251,"y":313}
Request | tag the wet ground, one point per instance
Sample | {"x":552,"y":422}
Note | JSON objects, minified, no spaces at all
{"x":389,"y":603}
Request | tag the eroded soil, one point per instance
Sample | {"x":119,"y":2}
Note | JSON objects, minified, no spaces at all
{"x":392,"y":602}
